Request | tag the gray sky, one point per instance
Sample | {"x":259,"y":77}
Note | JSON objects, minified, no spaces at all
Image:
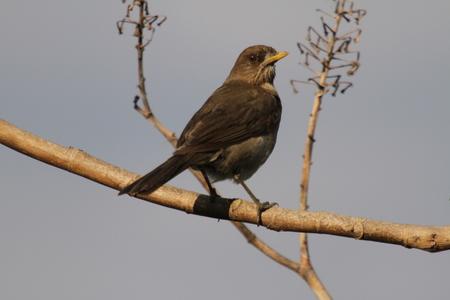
{"x":382,"y":152}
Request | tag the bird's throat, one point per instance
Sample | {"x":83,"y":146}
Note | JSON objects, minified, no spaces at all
{"x":268,"y":87}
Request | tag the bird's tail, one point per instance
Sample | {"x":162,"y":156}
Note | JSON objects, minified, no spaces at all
{"x":159,"y":176}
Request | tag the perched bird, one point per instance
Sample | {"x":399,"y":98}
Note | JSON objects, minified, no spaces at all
{"x":233,"y":133}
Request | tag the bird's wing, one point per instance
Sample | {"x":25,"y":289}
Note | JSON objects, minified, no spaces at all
{"x":234,"y":113}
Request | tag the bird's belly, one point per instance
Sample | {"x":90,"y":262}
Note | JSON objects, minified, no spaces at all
{"x":242,"y":159}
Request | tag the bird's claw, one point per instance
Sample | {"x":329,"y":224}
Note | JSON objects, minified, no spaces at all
{"x":262,"y":207}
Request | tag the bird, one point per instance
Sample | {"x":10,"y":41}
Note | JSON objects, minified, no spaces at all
{"x":233,"y":133}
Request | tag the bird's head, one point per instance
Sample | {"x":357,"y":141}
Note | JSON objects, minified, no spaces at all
{"x":256,"y":65}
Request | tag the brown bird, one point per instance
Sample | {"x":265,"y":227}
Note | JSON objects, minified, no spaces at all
{"x":233,"y":133}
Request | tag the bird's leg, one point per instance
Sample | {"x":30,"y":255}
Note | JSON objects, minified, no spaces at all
{"x":262,"y":206}
{"x":212,"y":190}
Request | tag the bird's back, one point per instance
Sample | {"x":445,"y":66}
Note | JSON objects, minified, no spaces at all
{"x":235,"y":112}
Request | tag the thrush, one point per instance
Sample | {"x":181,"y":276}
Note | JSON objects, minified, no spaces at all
{"x":233,"y":133}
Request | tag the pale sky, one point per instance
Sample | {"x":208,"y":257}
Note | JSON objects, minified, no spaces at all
{"x":382,"y":152}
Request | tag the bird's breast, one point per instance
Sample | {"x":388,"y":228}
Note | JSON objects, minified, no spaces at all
{"x":242,"y":159}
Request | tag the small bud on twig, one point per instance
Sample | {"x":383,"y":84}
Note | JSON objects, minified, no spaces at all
{"x":328,"y":51}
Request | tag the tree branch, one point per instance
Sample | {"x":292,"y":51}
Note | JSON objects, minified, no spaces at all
{"x":427,"y":238}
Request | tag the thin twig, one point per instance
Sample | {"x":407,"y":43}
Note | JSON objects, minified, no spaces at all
{"x":146,"y":111}
{"x":325,"y":83}
{"x":306,"y":269}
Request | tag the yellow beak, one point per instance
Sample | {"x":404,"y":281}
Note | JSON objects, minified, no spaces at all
{"x":275,"y":58}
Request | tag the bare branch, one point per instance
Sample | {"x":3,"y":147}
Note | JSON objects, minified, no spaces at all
{"x":427,"y":238}
{"x":333,"y":54}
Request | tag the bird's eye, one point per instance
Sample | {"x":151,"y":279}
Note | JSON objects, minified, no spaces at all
{"x":253,"y":58}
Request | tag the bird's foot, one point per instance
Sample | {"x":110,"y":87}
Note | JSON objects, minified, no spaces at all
{"x":262,"y":207}
{"x":213,"y":196}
